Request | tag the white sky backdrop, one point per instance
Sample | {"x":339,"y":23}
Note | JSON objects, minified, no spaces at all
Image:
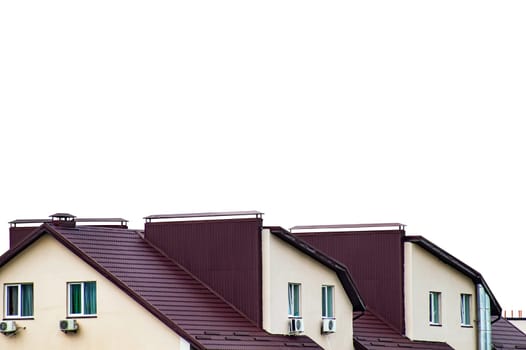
{"x":313,"y":112}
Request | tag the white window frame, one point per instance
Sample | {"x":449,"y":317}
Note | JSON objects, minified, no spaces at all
{"x":435,"y":310}
{"x":465,"y":301}
{"x":291,"y":298}
{"x":19,"y":301}
{"x":327,"y":290}
{"x":82,"y":301}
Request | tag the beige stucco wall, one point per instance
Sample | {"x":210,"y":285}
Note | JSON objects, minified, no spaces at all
{"x":121,"y":323}
{"x":283,"y":264}
{"x":425,"y":273}
{"x":520,"y":324}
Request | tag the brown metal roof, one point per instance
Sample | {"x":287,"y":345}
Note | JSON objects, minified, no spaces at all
{"x":164,"y":288}
{"x":372,"y":333}
{"x":504,"y":335}
{"x":375,"y":261}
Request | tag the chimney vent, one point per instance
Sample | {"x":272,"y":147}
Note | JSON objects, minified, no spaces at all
{"x":63,"y":219}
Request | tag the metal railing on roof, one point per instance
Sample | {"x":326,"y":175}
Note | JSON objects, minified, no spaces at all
{"x":13,"y":223}
{"x":396,"y":225}
{"x":255,"y":213}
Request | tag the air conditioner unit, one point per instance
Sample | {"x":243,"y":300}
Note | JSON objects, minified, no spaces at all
{"x":7,"y":327}
{"x":295,"y":325}
{"x":328,"y":325}
{"x":68,"y":325}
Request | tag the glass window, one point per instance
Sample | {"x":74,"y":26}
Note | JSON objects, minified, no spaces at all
{"x":294,"y":299}
{"x":465,"y":309}
{"x":82,"y":298}
{"x":434,"y":308}
{"x":327,"y":301}
{"x":18,"y":300}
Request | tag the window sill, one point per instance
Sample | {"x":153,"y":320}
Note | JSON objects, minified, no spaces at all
{"x":18,"y":318}
{"x":80,"y":316}
{"x":466,"y":326}
{"x":435,"y":324}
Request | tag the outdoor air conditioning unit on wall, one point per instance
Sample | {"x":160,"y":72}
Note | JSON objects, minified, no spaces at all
{"x":68,"y":326}
{"x":8,"y":327}
{"x":295,"y":325}
{"x":328,"y":325}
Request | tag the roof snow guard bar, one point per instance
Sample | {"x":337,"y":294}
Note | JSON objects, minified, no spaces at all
{"x":255,"y":213}
{"x":396,"y":225}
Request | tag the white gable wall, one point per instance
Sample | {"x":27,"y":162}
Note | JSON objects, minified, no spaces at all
{"x":425,"y":273}
{"x":282,"y":264}
{"x":121,"y":323}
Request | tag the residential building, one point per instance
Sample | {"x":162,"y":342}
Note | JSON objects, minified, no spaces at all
{"x":107,"y":287}
{"x":191,"y":284}
{"x":410,"y":286}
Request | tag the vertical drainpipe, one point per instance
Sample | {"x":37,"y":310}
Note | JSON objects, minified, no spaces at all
{"x":484,"y":319}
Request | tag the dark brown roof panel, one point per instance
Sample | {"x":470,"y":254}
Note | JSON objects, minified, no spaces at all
{"x":224,"y":254}
{"x":372,"y":333}
{"x":375,"y":261}
{"x":504,"y":335}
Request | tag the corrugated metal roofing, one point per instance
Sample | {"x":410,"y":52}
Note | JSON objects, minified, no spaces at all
{"x":166,"y":289}
{"x":505,"y":335}
{"x":375,"y":262}
{"x":372,"y":333}
{"x":224,"y":254}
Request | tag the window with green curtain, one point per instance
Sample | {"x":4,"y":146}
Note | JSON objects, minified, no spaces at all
{"x":75,"y":298}
{"x":82,"y":298}
{"x":327,"y":303}
{"x":19,"y":300}
{"x":90,"y":298}
{"x":465,"y":309}
{"x":434,"y":308}
{"x":294,"y":299}
{"x":27,"y":300}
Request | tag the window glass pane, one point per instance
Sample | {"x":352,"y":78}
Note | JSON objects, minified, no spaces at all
{"x":296,"y":300}
{"x":27,"y":299}
{"x":90,"y":298}
{"x":330,"y":308}
{"x":434,"y":307}
{"x":465,"y":309}
{"x":12,"y":301}
{"x":75,"y":302}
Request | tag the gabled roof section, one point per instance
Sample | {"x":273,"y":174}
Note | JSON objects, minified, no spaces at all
{"x":164,"y":288}
{"x":372,"y":333}
{"x":463,"y":268}
{"x":504,"y":335}
{"x":341,"y":270}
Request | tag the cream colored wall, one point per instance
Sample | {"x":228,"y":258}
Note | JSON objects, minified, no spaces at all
{"x":121,"y":323}
{"x":425,"y":273}
{"x":520,"y":324}
{"x":283,"y":264}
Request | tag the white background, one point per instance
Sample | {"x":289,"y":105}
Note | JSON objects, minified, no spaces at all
{"x":314,"y":112}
